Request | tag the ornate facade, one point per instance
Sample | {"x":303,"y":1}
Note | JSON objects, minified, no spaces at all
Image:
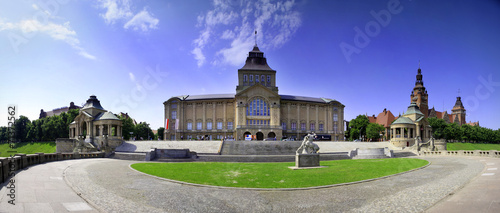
{"x":255,"y":109}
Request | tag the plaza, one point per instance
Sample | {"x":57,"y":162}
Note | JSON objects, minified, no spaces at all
{"x":109,"y":185}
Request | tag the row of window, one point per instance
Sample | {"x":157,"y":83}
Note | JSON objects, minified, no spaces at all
{"x":258,"y":122}
{"x":262,"y":78}
{"x":312,"y":127}
{"x":199,"y":125}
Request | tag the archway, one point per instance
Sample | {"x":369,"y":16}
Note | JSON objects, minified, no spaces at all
{"x":271,"y":135}
{"x":245,"y":135}
{"x":84,"y":129}
{"x":260,"y":136}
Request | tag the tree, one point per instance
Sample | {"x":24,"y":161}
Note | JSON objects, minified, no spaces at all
{"x":160,"y":132}
{"x":438,"y":125}
{"x":373,"y":131}
{"x":21,"y":127}
{"x":127,"y":127}
{"x":143,"y":131}
{"x":359,"y":123}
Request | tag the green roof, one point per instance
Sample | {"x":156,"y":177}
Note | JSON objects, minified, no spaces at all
{"x":106,"y":116}
{"x":413,"y":109}
{"x":403,"y":120}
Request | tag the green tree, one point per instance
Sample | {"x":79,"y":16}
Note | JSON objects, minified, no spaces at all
{"x":373,"y":131}
{"x":21,"y":127}
{"x":359,"y":123}
{"x":127,"y":127}
{"x":160,"y":131}
{"x":143,"y":131}
{"x":438,"y":127}
{"x":3,"y":134}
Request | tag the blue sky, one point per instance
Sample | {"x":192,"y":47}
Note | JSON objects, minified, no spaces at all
{"x":133,"y":55}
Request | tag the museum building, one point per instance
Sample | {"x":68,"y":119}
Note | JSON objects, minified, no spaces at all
{"x":255,"y":109}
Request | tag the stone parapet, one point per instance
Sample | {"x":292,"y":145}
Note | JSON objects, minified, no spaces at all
{"x":479,"y":153}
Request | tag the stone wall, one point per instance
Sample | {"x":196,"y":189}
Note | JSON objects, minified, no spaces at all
{"x":21,"y":161}
{"x":260,"y":147}
{"x":65,"y":145}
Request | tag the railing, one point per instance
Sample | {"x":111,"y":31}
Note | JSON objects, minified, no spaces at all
{"x":258,"y":127}
{"x":9,"y":165}
{"x":479,"y":153}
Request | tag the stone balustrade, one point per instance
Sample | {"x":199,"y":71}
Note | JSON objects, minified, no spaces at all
{"x":21,"y":161}
{"x":479,"y":153}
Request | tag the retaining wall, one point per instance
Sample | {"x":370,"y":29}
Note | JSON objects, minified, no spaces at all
{"x":479,"y":153}
{"x":9,"y":165}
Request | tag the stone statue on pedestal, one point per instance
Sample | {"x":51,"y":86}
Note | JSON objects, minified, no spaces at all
{"x":308,"y":146}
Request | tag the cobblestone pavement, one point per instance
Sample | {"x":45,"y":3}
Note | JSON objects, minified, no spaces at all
{"x":109,"y":185}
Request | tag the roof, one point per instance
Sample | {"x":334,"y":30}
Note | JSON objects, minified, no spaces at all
{"x":256,"y":61}
{"x":92,"y":102}
{"x":413,"y":109}
{"x":306,"y":99}
{"x":403,"y":120}
{"x":385,"y":118}
{"x":231,"y":96}
{"x":106,"y":116}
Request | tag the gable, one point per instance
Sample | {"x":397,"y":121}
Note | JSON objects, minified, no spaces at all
{"x":258,"y":90}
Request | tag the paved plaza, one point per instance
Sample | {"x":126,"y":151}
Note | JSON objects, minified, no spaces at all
{"x":449,"y":184}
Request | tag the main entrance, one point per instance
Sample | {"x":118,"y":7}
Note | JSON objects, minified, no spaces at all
{"x":260,"y":136}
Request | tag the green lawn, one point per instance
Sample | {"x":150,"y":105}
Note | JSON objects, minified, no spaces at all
{"x":278,"y":175}
{"x":27,"y":148}
{"x":472,"y":146}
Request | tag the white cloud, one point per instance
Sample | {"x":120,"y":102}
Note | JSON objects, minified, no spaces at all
{"x":142,"y":21}
{"x":131,"y":76}
{"x":115,"y":10}
{"x":120,"y":10}
{"x":234,"y":23}
{"x":55,"y":31}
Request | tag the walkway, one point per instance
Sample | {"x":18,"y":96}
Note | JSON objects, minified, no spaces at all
{"x":111,"y":186}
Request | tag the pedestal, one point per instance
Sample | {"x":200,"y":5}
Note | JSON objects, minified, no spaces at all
{"x":306,"y":160}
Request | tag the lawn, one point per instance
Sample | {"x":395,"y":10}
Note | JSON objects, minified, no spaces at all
{"x":27,"y":148}
{"x":278,"y":175}
{"x":471,"y":146}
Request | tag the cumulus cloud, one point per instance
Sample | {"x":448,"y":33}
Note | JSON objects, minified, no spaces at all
{"x":143,"y":21}
{"x":61,"y":32}
{"x":235,"y":22}
{"x":120,"y":10}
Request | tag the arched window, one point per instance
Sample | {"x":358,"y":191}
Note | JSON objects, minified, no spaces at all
{"x":258,"y":107}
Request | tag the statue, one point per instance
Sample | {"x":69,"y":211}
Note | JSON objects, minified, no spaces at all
{"x":308,"y":146}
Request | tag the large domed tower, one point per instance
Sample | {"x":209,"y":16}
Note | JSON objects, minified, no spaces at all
{"x":419,"y":94}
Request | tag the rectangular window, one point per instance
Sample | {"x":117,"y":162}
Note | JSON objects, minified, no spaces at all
{"x":219,"y":125}
{"x":303,"y":126}
{"x":198,"y":126}
{"x":312,"y":126}
{"x":335,"y":128}
{"x":229,"y":125}
{"x":245,"y":78}
{"x":190,"y":126}
{"x":268,"y":79}
{"x":283,"y":125}
{"x":173,"y":106}
{"x":321,"y":127}
{"x":335,"y":117}
{"x":256,"y":79}
{"x":262,"y":78}
{"x":174,"y":114}
{"x":209,"y":125}
{"x":251,"y":78}
{"x":294,"y":126}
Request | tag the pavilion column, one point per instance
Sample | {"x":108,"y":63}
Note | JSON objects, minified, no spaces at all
{"x":101,"y":129}
{"x":109,"y":129}
{"x":418,"y":130}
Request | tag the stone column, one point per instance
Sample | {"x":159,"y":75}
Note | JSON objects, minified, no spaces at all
{"x":204,"y":121}
{"x":308,"y":125}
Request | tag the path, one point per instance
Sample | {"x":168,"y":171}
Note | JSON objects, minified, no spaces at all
{"x":111,"y":186}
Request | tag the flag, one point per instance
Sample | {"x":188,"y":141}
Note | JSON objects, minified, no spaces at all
{"x":166,"y":123}
{"x":176,"y":124}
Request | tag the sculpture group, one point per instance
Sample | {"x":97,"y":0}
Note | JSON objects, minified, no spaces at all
{"x":308,"y":146}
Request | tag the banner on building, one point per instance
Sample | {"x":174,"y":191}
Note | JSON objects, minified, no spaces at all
{"x":166,"y":123}
{"x":176,"y":124}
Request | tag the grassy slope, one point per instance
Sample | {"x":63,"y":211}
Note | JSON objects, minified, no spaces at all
{"x":278,"y":175}
{"x":472,"y":146}
{"x":27,"y":148}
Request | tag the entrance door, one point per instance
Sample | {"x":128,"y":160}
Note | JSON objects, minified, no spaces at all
{"x":271,"y":135}
{"x":260,"y":136}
